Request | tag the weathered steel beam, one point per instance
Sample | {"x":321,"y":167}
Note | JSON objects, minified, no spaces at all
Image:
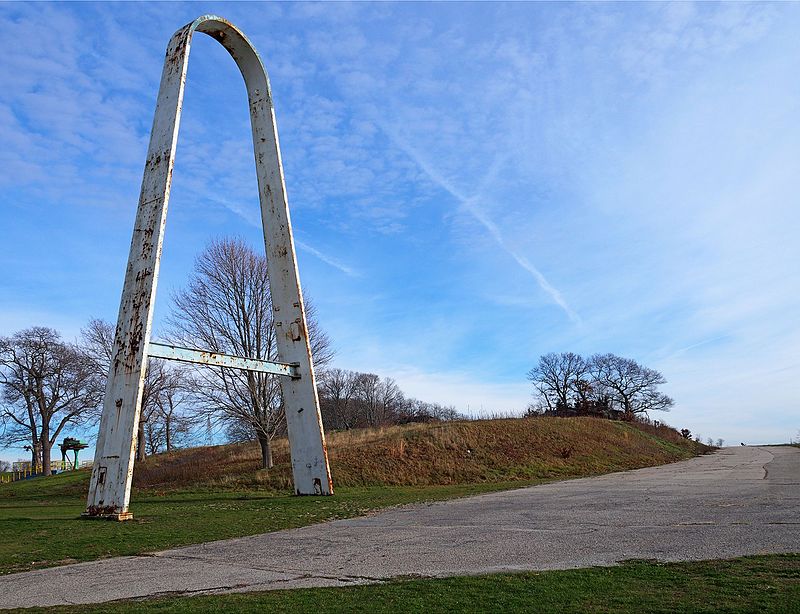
{"x":214,"y":359}
{"x":110,"y":486}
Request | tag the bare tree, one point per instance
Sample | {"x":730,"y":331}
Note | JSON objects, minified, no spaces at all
{"x":227,"y":307}
{"x":391,"y":400}
{"x":350,"y":398}
{"x":170,"y":425}
{"x":47,"y":384}
{"x":97,"y":339}
{"x":378,"y":400}
{"x":631,"y":386}
{"x":537,"y":407}
{"x":559,"y":379}
{"x":443,"y":412}
{"x":337,"y":391}
{"x":368,"y":390}
{"x":720,"y":442}
{"x":155,"y":381}
{"x":171,"y":405}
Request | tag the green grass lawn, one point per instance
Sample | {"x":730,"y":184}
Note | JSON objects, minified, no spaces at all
{"x":750,"y":584}
{"x":40,"y":524}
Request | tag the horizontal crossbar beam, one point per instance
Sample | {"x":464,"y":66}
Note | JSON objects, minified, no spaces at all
{"x":172,"y":352}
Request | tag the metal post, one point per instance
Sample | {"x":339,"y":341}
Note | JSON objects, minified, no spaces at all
{"x":109,"y":491}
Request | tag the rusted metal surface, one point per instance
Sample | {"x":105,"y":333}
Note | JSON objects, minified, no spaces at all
{"x":109,"y":513}
{"x":214,"y":359}
{"x":109,"y":491}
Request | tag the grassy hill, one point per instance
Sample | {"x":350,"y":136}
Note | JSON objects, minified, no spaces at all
{"x":203,"y":494}
{"x":525,"y":449}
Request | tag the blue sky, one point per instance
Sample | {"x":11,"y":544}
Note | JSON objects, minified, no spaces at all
{"x":471,"y":185}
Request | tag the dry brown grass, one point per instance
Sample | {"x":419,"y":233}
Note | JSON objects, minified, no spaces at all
{"x":525,"y":449}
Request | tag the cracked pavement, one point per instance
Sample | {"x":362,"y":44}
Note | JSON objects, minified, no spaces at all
{"x":735,"y":502}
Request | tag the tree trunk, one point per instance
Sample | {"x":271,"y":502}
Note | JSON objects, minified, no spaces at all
{"x":35,"y":457}
{"x":266,"y":452}
{"x":628,"y":415}
{"x":46,"y":456}
{"x":141,"y":453}
{"x":44,"y":442}
{"x":167,"y":432}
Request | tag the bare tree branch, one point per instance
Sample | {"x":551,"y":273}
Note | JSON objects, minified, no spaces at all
{"x":227,"y":307}
{"x":45,"y":386}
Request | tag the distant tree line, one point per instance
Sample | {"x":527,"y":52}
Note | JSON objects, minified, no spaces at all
{"x":605,"y":385}
{"x":687,"y":434}
{"x":349,"y":399}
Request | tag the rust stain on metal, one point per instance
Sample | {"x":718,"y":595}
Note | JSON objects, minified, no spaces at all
{"x":107,"y":512}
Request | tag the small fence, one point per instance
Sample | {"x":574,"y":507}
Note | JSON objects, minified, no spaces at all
{"x":13,"y":476}
{"x":24,"y":471}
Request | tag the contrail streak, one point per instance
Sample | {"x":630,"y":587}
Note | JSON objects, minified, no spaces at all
{"x":253,"y":216}
{"x":327,"y":259}
{"x":470,"y":205}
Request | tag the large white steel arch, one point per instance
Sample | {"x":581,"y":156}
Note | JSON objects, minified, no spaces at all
{"x":109,"y":490}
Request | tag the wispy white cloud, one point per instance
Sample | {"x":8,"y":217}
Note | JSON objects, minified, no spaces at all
{"x":336,"y":264}
{"x":252,"y":216}
{"x":683,"y":350}
{"x":470,"y":204}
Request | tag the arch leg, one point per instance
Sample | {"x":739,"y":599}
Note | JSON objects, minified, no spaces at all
{"x":109,"y":490}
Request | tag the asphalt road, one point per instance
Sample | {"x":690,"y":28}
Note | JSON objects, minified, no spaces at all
{"x":735,"y":502}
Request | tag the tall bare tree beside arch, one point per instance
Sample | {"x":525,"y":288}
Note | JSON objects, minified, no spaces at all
{"x":226,"y":307}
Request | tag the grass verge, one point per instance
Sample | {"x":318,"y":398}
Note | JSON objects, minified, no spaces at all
{"x":749,"y":584}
